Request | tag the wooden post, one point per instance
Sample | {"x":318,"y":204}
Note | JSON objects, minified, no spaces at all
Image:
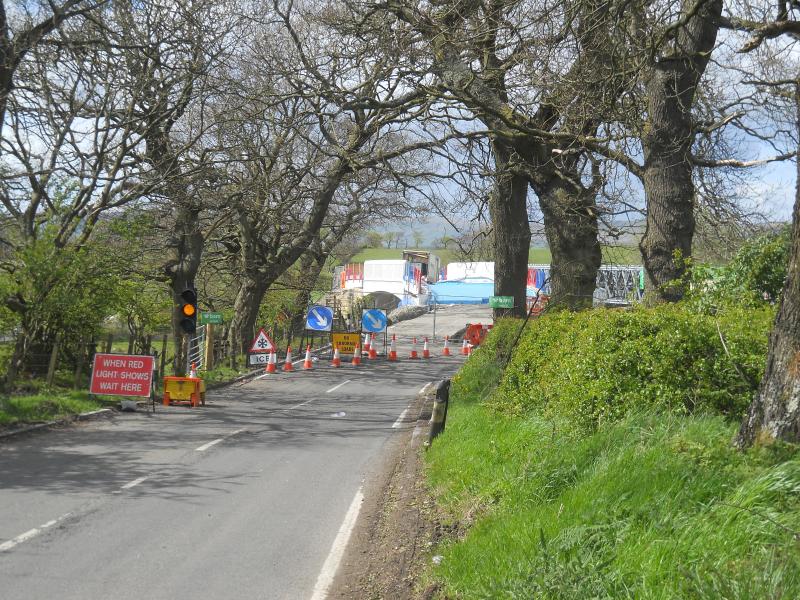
{"x":76,"y":383}
{"x":109,"y":343}
{"x":51,"y":369}
{"x":163,"y":355}
{"x":209,"y":349}
{"x":148,"y":342}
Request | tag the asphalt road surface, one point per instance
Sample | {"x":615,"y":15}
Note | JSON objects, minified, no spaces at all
{"x":249,"y":497}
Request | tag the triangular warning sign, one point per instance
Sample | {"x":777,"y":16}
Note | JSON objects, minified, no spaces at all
{"x":262,"y":343}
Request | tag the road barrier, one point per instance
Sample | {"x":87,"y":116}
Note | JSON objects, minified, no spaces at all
{"x":184,"y":390}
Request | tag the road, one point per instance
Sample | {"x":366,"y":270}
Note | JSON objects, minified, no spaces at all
{"x":244,"y":498}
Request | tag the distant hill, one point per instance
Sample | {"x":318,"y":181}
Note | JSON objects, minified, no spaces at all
{"x":620,"y":255}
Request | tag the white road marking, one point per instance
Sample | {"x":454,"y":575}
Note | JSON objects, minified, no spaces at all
{"x":205,"y":447}
{"x":401,"y":418}
{"x":31,"y":533}
{"x":134,"y":483}
{"x":301,"y":404}
{"x":325,"y":578}
{"x":424,"y":387}
{"x":336,"y":387}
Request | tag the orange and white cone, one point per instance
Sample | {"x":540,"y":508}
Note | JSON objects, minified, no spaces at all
{"x":469,"y":349}
{"x":446,"y":349}
{"x":337,"y":360}
{"x":307,"y":365}
{"x":366,"y":344}
{"x":464,"y":349}
{"x":272,"y":363}
{"x":414,"y":354}
{"x":356,"y":362}
{"x":287,"y":365}
{"x":372,"y":354}
{"x":393,"y":349}
{"x":193,"y":371}
{"x":426,"y":353}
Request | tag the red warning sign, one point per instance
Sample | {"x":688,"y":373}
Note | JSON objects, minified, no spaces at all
{"x":122,"y":374}
{"x":263,"y":343}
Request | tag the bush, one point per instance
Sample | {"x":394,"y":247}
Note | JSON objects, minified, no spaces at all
{"x":595,"y":366}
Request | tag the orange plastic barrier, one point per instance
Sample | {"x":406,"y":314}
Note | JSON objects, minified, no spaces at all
{"x":476,"y":333}
{"x":184,"y":390}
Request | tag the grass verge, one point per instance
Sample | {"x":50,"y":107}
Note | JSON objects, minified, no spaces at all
{"x":647,"y":507}
{"x":48,"y":405}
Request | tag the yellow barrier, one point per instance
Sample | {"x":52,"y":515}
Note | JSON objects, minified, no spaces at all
{"x":190,"y":390}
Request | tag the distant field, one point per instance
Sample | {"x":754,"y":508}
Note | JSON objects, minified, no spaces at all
{"x":619,"y":255}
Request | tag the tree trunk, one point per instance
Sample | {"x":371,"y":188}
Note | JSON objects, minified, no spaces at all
{"x":667,"y":139}
{"x":570,"y":225}
{"x":187,"y":249}
{"x":775,"y":411}
{"x":245,"y":313}
{"x":508,"y":208}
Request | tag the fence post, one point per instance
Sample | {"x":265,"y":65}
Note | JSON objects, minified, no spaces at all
{"x":208,"y":361}
{"x":130,"y":343}
{"x":51,"y":368}
{"x":109,"y":343}
{"x":163,"y":355}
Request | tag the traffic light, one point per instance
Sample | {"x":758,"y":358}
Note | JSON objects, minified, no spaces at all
{"x":187,"y":311}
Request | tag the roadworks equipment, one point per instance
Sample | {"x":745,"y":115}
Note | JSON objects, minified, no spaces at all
{"x":464,"y":348}
{"x":193,"y":371}
{"x":426,"y":353}
{"x":393,"y":349}
{"x":356,"y":362}
{"x":372,"y":353}
{"x":446,"y":349}
{"x":337,"y":360}
{"x":272,"y":363}
{"x":287,"y":365}
{"x":307,"y":365}
{"x":414,"y":354}
{"x":366,"y":344}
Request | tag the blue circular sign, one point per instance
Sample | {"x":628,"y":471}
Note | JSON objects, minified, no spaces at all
{"x":373,"y":320}
{"x":319,"y":318}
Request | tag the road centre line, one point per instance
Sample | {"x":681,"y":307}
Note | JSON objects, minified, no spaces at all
{"x":31,"y":533}
{"x":205,"y":447}
{"x":325,"y":578}
{"x":336,"y":387}
{"x":134,"y":483}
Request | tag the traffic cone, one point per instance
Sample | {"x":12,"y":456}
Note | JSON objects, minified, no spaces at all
{"x":356,"y":362}
{"x":414,"y":354}
{"x":272,"y":363}
{"x":426,"y":353}
{"x":372,"y":354}
{"x":193,"y":371}
{"x":446,"y":350}
{"x":393,"y":349}
{"x":287,"y":365}
{"x":307,"y":362}
{"x":366,"y":344}
{"x":337,"y":360}
{"x":464,"y":349}
{"x":469,"y":349}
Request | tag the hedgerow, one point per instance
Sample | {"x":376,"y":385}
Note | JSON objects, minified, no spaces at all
{"x":600,"y":365}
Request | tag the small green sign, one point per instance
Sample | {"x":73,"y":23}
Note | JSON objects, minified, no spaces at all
{"x":210,"y":318}
{"x":501,"y":301}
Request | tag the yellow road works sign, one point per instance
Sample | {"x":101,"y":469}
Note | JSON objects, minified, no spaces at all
{"x":346,"y":342}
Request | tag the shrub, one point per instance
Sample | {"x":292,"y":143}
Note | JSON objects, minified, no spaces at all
{"x":595,"y":366}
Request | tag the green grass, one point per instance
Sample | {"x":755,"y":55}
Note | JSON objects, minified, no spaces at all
{"x":647,"y":507}
{"x":48,"y":405}
{"x":619,"y":255}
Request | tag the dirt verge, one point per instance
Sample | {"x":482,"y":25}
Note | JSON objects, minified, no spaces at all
{"x":396,"y":528}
